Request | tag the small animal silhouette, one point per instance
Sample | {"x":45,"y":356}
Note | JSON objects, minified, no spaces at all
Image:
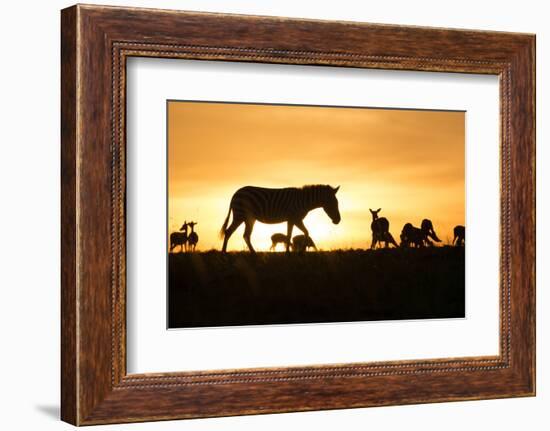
{"x":380,"y":228}
{"x":193,"y":238}
{"x":301,"y":243}
{"x":412,"y":236}
{"x":460,"y":235}
{"x":418,"y":237}
{"x":250,"y":204}
{"x":429,"y":232}
{"x":277,"y":238}
{"x":179,"y":238}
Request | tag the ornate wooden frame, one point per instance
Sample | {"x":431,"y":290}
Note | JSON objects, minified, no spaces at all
{"x":95,"y":43}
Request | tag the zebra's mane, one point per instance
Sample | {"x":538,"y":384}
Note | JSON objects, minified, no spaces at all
{"x":308,"y":187}
{"x":317,"y":193}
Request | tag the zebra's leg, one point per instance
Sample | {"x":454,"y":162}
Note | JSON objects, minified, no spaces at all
{"x":300,"y":225}
{"x":249,"y":225}
{"x":289,"y":227}
{"x":229,"y":231}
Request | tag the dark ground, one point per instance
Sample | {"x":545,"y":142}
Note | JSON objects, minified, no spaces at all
{"x":213,"y":289}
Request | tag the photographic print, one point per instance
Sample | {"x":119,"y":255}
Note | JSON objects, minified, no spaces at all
{"x":296,"y":214}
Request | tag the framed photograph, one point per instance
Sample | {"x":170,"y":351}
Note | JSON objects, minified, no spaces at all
{"x":264,"y":214}
{"x":408,"y":161}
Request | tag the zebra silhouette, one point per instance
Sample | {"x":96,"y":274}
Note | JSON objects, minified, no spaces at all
{"x":250,"y":204}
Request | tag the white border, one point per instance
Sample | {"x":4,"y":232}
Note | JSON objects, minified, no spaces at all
{"x":152,"y":348}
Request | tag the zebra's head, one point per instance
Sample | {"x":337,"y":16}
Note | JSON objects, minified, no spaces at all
{"x":330,"y":204}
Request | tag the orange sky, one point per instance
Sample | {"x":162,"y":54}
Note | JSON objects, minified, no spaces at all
{"x":410,"y":163}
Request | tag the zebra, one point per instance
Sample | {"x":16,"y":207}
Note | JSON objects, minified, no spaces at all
{"x":301,"y":243}
{"x":380,"y":228}
{"x":250,"y":204}
{"x":193,"y":238}
{"x":179,"y":238}
{"x":460,"y":235}
{"x":277,"y":238}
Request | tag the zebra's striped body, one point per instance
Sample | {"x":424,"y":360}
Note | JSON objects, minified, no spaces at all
{"x":250,"y":204}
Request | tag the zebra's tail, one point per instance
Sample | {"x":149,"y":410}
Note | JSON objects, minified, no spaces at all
{"x":224,"y":227}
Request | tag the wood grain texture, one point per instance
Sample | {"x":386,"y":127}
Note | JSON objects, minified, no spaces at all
{"x":69,"y":366}
{"x":96,"y":41}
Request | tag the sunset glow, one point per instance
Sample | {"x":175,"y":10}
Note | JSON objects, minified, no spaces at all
{"x":409,"y":163}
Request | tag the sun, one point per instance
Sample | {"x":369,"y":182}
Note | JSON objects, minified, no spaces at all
{"x":319,"y":226}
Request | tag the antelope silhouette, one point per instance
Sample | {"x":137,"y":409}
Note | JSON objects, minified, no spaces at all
{"x":179,"y":238}
{"x":193,"y":238}
{"x":380,"y":228}
{"x":418,"y":237}
{"x":411,"y":236}
{"x":429,"y":232}
{"x":250,"y":204}
{"x":301,"y":243}
{"x":460,"y":235}
{"x":277,"y":238}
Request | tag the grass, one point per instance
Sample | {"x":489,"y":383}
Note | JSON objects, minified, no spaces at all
{"x":215,"y":289}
